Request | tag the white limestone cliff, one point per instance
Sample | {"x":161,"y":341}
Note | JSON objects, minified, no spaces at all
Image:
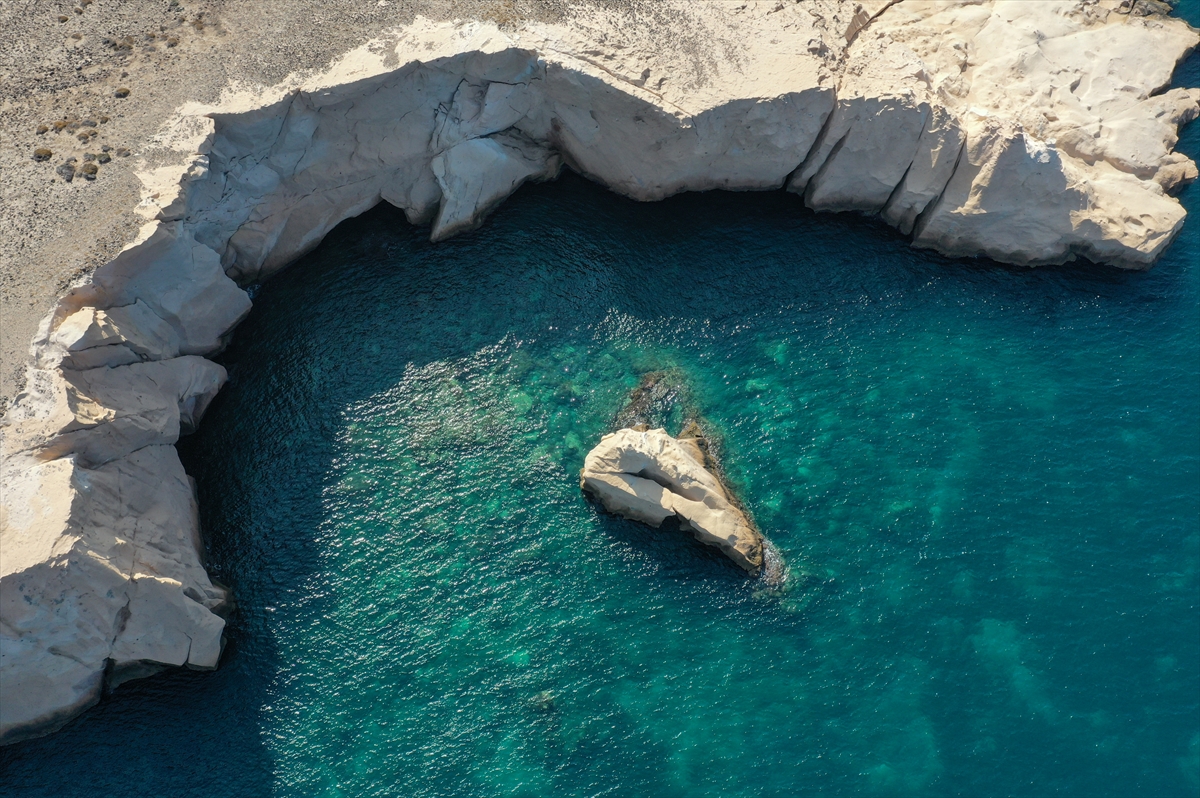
{"x":102,"y":571}
{"x":1027,"y":132}
{"x":648,"y":476}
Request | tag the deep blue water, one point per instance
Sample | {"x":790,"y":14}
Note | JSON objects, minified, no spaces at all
{"x":985,"y":482}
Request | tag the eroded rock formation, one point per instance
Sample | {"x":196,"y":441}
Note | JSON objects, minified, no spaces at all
{"x":1031,"y":132}
{"x":648,"y":476}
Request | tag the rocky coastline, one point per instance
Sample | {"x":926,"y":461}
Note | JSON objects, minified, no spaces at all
{"x":1030,"y":133}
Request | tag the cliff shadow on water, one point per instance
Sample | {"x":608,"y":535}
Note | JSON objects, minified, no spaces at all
{"x":526,"y":338}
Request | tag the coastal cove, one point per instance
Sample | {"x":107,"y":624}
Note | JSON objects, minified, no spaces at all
{"x":981,"y":478}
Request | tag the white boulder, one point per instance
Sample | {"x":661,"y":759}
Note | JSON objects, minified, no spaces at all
{"x":649,"y":476}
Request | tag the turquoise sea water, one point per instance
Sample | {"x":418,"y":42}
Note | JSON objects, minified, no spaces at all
{"x":985,"y":482}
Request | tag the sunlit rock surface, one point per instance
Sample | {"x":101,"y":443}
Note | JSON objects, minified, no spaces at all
{"x":649,"y":476}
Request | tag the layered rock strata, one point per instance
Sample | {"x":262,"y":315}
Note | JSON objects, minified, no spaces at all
{"x":1028,"y":132}
{"x":648,"y":476}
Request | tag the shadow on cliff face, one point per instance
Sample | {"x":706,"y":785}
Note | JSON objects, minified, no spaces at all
{"x":262,"y":475}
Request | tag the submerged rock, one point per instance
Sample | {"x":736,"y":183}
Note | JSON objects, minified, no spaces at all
{"x":646,"y":475}
{"x":543,"y":701}
{"x":650,"y":403}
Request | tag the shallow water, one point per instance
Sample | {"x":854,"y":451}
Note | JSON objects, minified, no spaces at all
{"x":985,"y":482}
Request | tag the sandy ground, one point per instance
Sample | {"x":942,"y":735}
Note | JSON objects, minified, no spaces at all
{"x":68,"y":63}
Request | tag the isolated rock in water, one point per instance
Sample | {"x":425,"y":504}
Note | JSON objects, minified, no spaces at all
{"x":648,"y":476}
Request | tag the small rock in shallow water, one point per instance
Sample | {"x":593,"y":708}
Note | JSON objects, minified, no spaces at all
{"x":43,"y":129}
{"x":42,"y":154}
{"x":543,"y":701}
{"x":66,"y":171}
{"x":89,"y":170}
{"x":648,"y":476}
{"x":103,"y":157}
{"x":121,"y":92}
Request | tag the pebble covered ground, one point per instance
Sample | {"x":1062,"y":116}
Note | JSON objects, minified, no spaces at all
{"x":83,"y":86}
